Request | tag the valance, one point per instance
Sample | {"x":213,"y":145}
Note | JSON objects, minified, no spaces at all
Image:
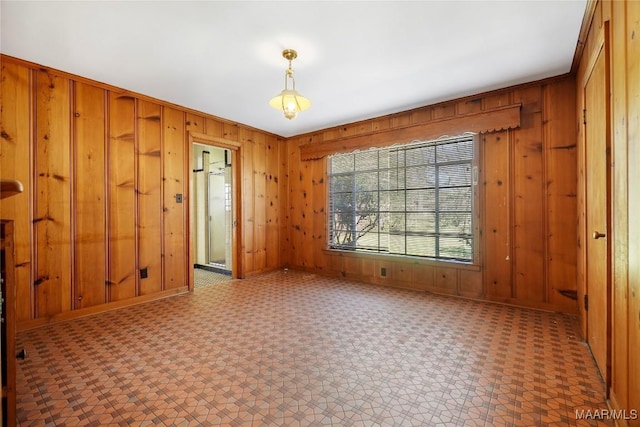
{"x":495,"y":119}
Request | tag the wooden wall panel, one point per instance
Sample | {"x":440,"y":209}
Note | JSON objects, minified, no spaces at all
{"x":560,"y":182}
{"x":528,"y":202}
{"x":101,"y":167}
{"x":296,"y":207}
{"x":194,"y":123}
{"x":424,"y":277}
{"x":496,"y":231}
{"x":259,"y":203}
{"x":248,"y":203}
{"x":516,"y":167}
{"x":149,"y":196}
{"x":318,"y":212}
{"x":633,"y":140}
{"x":122,"y":198}
{"x":272,"y":203}
{"x":284,"y":249}
{"x":89,"y":195}
{"x":305,"y":217}
{"x":620,"y":214}
{"x":470,"y":283}
{"x":214,"y":128}
{"x":500,"y":99}
{"x":447,"y":280}
{"x":15,"y":146}
{"x":624,"y":235}
{"x":52,"y":197}
{"x":232,"y":132}
{"x":174,"y":206}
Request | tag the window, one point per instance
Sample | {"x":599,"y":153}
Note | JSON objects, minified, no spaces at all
{"x":415,"y":199}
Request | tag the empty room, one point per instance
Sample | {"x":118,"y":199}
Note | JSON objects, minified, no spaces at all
{"x":320,"y":213}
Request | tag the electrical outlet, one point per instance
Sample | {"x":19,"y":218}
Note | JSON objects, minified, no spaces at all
{"x":383,"y":272}
{"x":178,"y":198}
{"x":144,"y":273}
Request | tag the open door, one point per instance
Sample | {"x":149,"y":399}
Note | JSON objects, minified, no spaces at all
{"x":212,"y":208}
{"x":214,"y":195}
{"x":597,"y":302}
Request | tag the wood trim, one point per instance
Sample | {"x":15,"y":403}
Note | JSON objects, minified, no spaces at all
{"x":102,"y":308}
{"x":236,"y":198}
{"x":213,"y":140}
{"x":501,"y":118}
{"x":600,"y":44}
{"x":585,"y":27}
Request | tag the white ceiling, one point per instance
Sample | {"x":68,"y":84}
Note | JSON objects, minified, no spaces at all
{"x":356,"y":59}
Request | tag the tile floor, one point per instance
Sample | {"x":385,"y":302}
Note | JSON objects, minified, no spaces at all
{"x":295,"y":349}
{"x":202,"y":277}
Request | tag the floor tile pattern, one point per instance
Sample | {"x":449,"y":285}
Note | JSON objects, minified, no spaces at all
{"x":202,"y":277}
{"x":295,"y":349}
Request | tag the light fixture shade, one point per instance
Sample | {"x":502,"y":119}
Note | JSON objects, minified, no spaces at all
{"x":290,"y":102}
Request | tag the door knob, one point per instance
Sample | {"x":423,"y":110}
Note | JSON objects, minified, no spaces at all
{"x":598,"y":235}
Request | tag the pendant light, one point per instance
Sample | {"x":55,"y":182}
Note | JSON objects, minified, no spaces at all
{"x":289,"y":100}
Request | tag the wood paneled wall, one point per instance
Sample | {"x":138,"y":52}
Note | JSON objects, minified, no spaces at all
{"x":623,"y":19}
{"x":527,"y":198}
{"x":101,"y":169}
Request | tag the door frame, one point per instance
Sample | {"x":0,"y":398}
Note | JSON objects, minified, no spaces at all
{"x":601,"y":47}
{"x":236,"y":196}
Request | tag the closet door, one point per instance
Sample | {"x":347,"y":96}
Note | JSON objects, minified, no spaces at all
{"x":598,"y":201}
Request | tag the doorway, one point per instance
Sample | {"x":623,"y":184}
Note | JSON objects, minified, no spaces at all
{"x":212,"y":209}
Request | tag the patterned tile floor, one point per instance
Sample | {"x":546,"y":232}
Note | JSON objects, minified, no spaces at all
{"x":295,"y":349}
{"x":202,"y":277}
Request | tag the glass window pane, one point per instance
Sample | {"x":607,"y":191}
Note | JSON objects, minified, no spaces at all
{"x":454,"y":247}
{"x":395,"y":179}
{"x":421,"y":246}
{"x":455,"y":223}
{"x":454,"y":175}
{"x":367,"y":201}
{"x":342,"y":203}
{"x":455,"y":151}
{"x":421,"y":200}
{"x":397,"y":244}
{"x":414,"y":200}
{"x":383,"y":241}
{"x":368,"y":234}
{"x":366,"y":181}
{"x":342,"y":183}
{"x":420,"y":177}
{"x":455,"y":199}
{"x":341,"y":163}
{"x":396,"y":222}
{"x":342,"y":232}
{"x":423,"y":155}
{"x":396,"y":201}
{"x":366,"y":160}
{"x":421,"y":222}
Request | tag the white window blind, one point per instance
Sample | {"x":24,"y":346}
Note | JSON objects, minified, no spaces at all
{"x":415,"y":199}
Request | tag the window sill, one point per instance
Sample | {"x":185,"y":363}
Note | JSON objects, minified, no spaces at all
{"x":406,"y":259}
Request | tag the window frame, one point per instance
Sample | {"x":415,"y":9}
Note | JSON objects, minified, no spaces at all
{"x":476,"y":204}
